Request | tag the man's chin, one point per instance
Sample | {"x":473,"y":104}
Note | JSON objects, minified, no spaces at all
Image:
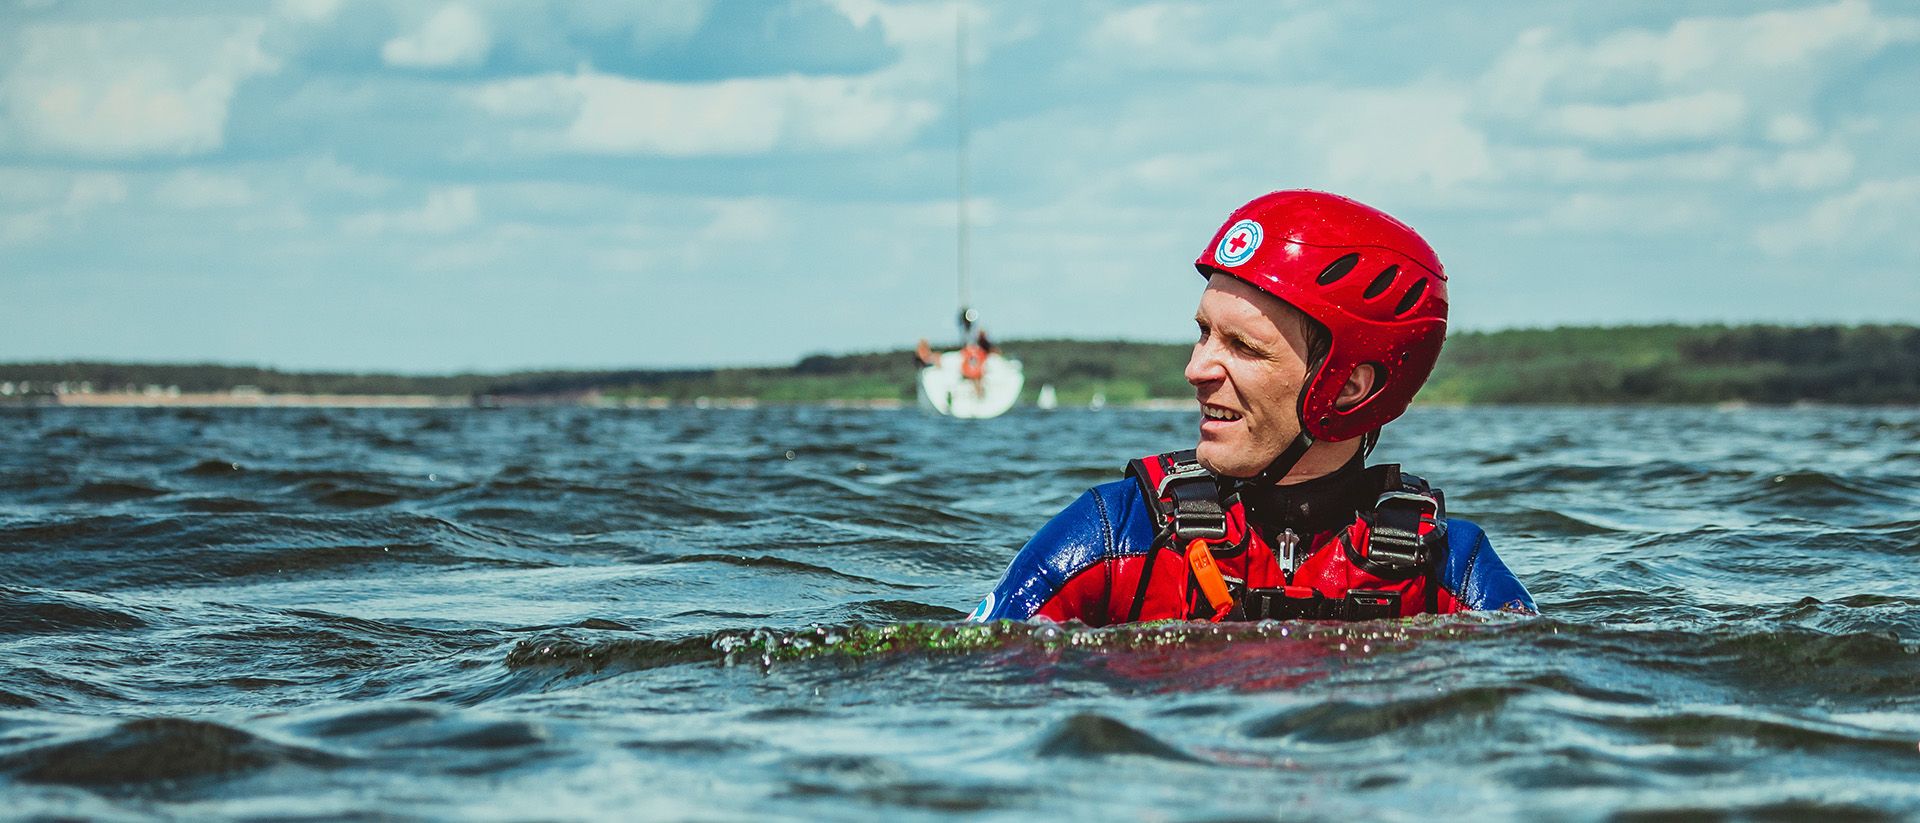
{"x":1217,"y":459}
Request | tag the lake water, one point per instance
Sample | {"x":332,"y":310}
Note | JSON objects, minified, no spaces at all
{"x":750,"y":614}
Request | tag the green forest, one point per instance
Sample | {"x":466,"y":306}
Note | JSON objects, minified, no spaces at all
{"x":1625,"y":364}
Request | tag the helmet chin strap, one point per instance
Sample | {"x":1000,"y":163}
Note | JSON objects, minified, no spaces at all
{"x":1290,"y":456}
{"x":1282,"y":463}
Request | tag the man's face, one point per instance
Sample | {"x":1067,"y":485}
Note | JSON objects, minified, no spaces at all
{"x":1246,"y":369}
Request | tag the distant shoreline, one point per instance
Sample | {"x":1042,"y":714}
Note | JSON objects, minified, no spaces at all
{"x":259,"y":400}
{"x":1624,"y":365}
{"x":219,"y":400}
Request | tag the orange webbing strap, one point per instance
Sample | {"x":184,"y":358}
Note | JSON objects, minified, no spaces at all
{"x":1211,"y":583}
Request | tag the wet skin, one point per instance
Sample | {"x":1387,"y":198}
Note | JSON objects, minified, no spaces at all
{"x":1247,"y":370}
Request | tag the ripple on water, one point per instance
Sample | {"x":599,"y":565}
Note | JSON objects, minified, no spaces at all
{"x":25,"y":611}
{"x":1340,"y":721}
{"x":1092,"y":736}
{"x":133,"y":754}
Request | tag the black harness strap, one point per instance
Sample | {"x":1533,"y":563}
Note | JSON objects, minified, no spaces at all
{"x":1198,"y":511}
{"x":1191,"y":503}
{"x":1395,"y":526}
{"x":1395,"y":548}
{"x":1277,"y":604}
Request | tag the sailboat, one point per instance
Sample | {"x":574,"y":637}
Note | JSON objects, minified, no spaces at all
{"x":970,"y":382}
{"x":947,"y":387}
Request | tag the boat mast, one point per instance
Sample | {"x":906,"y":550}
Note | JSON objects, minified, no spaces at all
{"x":960,"y":163}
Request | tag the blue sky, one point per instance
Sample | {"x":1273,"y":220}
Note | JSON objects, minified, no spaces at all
{"x":497,"y":185}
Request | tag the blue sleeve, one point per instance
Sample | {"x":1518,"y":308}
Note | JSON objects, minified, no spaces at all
{"x":1075,"y":540}
{"x":1475,"y":574}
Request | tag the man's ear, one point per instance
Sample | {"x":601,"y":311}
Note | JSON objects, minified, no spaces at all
{"x":1359,"y":386}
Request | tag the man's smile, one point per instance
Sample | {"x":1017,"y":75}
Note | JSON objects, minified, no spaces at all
{"x":1213,"y":412}
{"x":1216,"y":421}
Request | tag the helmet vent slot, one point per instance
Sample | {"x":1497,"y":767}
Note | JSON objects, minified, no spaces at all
{"x":1338,"y":268}
{"x":1413,"y":297}
{"x":1380,"y":282}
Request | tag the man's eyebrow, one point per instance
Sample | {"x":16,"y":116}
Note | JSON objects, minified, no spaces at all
{"x":1249,"y":343}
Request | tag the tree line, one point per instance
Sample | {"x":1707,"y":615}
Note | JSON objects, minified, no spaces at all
{"x":1620,"y":364}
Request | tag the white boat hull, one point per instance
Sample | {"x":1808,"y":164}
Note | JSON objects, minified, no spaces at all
{"x":945,"y":391}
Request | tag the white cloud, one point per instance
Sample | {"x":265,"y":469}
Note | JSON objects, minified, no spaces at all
{"x":1578,"y":165}
{"x":446,"y":210}
{"x":606,"y":114}
{"x":1698,"y":79}
{"x":1197,"y":37}
{"x":1816,"y":168}
{"x":1706,"y":115}
{"x":310,"y":10}
{"x":53,"y":200}
{"x":1789,"y":129}
{"x":1694,"y":53}
{"x":647,"y":25}
{"x":1594,"y":212}
{"x":1876,"y":216}
{"x":195,"y":189}
{"x":736,"y":228}
{"x":94,"y":189}
{"x":330,"y":174}
{"x":128,"y":89}
{"x":1704,"y":110}
{"x":62,"y":191}
{"x":31,"y":186}
{"x":1427,"y":141}
{"x":1729,"y":47}
{"x":21,"y":228}
{"x":454,"y":37}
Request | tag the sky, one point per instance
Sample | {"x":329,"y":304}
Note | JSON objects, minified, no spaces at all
{"x":480,"y":185}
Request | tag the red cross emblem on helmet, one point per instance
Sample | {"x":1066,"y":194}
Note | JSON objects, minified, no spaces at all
{"x":1239,"y":243}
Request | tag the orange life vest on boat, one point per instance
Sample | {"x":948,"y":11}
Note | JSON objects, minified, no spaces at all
{"x":973,"y":362}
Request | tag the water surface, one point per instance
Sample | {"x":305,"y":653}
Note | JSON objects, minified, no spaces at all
{"x":750,"y":614}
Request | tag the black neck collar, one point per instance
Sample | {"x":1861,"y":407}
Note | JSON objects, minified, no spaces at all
{"x":1322,"y":504}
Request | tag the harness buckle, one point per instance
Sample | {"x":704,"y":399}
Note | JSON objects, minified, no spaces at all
{"x":1368,"y":604}
{"x":1197,"y":511}
{"x":1179,"y":472}
{"x":1307,"y":603}
{"x":1287,"y":546}
{"x":1395,"y":538}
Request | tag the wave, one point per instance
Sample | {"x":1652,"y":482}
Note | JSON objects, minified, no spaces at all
{"x":155,"y":749}
{"x":1342,"y":721}
{"x":107,"y":550}
{"x":1092,"y":736}
{"x":25,"y":611}
{"x":766,"y":561}
{"x":115,"y":491}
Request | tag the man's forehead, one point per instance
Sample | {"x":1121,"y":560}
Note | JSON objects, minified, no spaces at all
{"x":1227,"y":290}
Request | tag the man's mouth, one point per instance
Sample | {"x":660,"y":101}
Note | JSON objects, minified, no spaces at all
{"x":1212,"y":412}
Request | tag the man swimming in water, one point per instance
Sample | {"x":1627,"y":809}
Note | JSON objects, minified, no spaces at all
{"x":1321,"y":319}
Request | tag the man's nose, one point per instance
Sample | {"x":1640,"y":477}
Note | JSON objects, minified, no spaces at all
{"x":1203,"y":366}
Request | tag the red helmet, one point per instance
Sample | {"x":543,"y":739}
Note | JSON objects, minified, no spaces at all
{"x":1375,"y":285}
